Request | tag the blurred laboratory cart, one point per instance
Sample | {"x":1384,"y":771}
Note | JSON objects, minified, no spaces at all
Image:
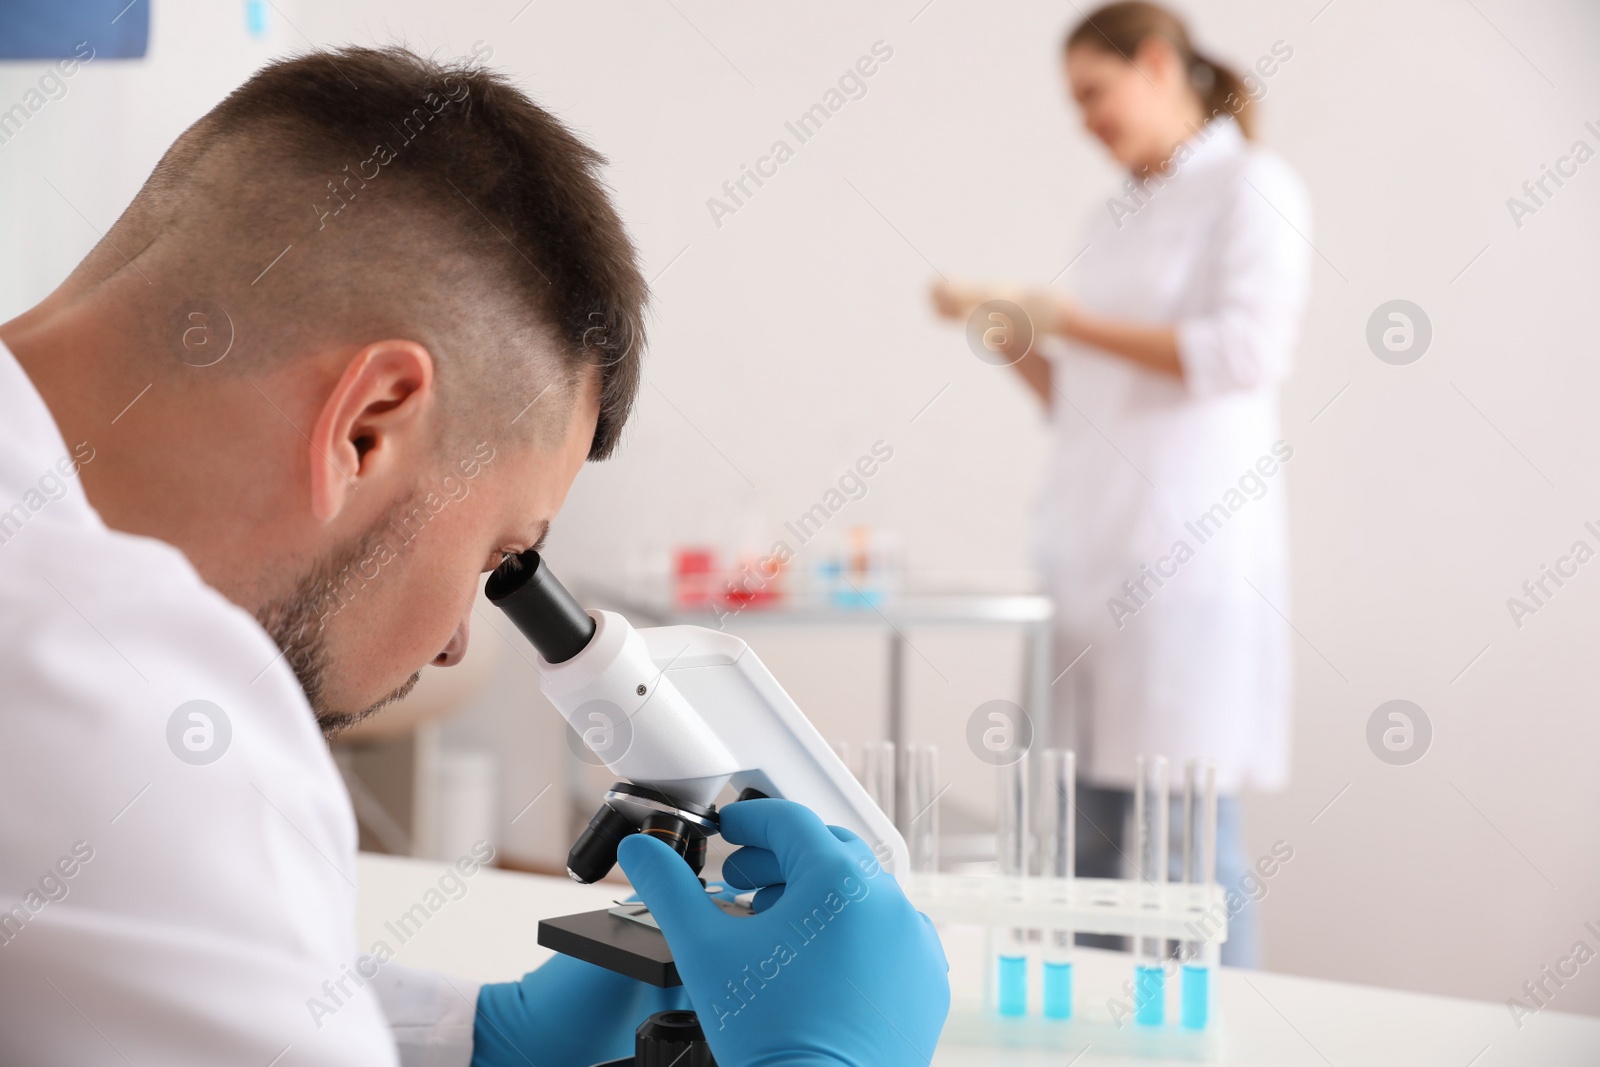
{"x":897,"y":613}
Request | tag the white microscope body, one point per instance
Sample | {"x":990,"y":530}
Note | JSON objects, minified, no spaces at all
{"x":682,"y":711}
{"x":689,"y":710}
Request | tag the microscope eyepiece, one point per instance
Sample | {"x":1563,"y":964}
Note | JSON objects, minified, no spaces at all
{"x":541,"y":607}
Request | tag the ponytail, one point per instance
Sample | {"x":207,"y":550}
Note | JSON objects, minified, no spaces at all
{"x":1122,"y":27}
{"x":1222,"y":92}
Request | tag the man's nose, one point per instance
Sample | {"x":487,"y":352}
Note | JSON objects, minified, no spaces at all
{"x":457,"y":648}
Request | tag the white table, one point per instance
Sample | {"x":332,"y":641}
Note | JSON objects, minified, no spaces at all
{"x":1273,"y":1020}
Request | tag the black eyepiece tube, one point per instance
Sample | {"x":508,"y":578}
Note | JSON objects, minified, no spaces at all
{"x":543,"y":610}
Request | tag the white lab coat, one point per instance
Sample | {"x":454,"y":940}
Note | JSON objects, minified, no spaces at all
{"x":1196,"y":666}
{"x":206,"y":904}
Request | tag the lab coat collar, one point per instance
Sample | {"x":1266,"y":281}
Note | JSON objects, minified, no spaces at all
{"x":1217,"y":140}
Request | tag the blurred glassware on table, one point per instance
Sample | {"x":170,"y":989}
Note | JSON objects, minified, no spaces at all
{"x":864,"y":573}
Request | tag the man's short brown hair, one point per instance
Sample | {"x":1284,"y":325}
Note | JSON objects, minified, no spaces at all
{"x":420,"y":195}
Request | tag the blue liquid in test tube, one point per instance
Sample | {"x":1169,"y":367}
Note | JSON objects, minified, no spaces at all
{"x":1057,"y":990}
{"x":1196,"y":996}
{"x":1199,"y":867}
{"x":1150,"y":820}
{"x":1059,"y":811}
{"x":1013,"y":985}
{"x":1013,"y":855}
{"x":1149,"y":995}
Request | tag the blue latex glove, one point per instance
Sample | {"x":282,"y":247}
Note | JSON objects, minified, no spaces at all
{"x":835,"y":968}
{"x":565,"y":1014}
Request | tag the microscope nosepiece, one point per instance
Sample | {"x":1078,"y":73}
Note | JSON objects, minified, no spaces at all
{"x":674,"y":832}
{"x":541,"y":607}
{"x":631,"y":808}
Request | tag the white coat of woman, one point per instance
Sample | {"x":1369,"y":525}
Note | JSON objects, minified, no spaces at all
{"x":1162,"y":531}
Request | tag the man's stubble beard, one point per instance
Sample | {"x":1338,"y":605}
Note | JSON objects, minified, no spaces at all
{"x":295,"y":622}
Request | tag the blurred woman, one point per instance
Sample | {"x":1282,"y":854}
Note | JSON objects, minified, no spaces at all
{"x":1161,"y":524}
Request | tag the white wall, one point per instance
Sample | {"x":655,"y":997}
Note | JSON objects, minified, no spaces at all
{"x":789,"y":339}
{"x":78,"y":160}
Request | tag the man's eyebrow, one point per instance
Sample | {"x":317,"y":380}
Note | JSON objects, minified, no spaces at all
{"x":544,"y":534}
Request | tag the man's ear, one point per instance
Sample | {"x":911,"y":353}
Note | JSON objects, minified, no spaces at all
{"x":377,"y":407}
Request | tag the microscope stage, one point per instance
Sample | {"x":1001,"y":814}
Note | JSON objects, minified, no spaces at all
{"x":635,"y":947}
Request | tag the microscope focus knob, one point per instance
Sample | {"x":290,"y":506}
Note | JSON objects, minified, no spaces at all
{"x":671,"y":1039}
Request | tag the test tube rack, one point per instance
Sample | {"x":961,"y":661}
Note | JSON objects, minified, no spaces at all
{"x":1191,"y":913}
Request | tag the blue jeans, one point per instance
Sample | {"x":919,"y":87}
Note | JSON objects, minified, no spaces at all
{"x":1104,"y":851}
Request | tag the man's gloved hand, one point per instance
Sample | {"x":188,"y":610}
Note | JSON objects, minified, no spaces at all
{"x":565,"y":1014}
{"x":835,"y":968}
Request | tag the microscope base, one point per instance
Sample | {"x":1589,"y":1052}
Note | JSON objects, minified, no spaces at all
{"x":668,"y":1039}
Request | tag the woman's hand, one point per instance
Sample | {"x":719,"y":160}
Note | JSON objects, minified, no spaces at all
{"x":1046,"y":310}
{"x":957,"y":300}
{"x":1043,"y":311}
{"x":1154,"y":347}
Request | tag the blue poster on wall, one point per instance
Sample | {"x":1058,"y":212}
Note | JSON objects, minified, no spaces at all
{"x":67,"y":29}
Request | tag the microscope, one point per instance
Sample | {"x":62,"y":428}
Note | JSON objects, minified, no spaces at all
{"x":683,"y":716}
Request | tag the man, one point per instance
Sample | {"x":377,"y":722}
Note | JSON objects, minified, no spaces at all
{"x":345,"y":351}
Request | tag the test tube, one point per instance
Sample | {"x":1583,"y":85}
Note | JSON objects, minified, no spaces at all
{"x":1012,"y":840}
{"x":1189,"y":951}
{"x":1059,"y":833}
{"x":846,"y":756}
{"x":877,"y":774}
{"x":1196,"y":1010}
{"x":922,"y":797}
{"x":1150,"y":819}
